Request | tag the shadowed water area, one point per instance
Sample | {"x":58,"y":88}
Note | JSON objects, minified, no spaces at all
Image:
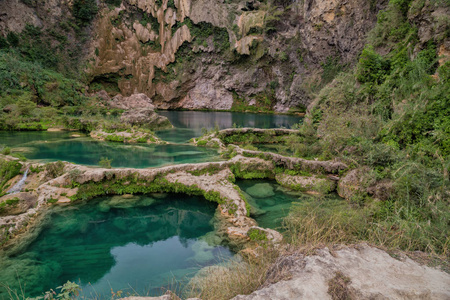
{"x":270,"y":202}
{"x":54,"y":146}
{"x":189,"y":124}
{"x":134,"y":244}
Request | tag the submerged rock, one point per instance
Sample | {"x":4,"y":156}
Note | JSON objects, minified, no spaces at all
{"x":203,"y":252}
{"x":261,"y":190}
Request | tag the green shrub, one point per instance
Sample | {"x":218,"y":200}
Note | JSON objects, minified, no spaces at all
{"x":3,"y":43}
{"x":113,"y":2}
{"x":202,"y":143}
{"x":6,"y":151}
{"x":8,"y":170}
{"x":84,"y":10}
{"x":256,"y":234}
{"x":13,"y":39}
{"x":20,"y":156}
{"x":105,"y":163}
{"x":372,"y":67}
{"x":54,"y":169}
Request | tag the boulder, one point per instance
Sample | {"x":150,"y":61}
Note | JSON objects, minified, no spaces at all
{"x":368,"y":273}
{"x":145,"y":117}
{"x":103,"y":95}
{"x":306,"y":183}
{"x":261,"y":190}
{"x":133,"y":101}
{"x":352,"y":185}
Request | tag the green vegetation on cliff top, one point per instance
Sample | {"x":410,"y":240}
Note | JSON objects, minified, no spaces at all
{"x":390,"y":116}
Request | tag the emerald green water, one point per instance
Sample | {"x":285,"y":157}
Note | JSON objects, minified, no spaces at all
{"x":269,"y":201}
{"x":53,"y":146}
{"x":137,"y":245}
{"x":145,"y":243}
{"x":189,"y":124}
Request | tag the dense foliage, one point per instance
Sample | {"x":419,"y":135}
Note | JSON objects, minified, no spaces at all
{"x":85,"y":10}
{"x":391,"y":118}
{"x":8,"y":170}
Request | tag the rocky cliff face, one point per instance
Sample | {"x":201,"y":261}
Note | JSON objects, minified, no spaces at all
{"x":214,"y":54}
{"x":211,"y":54}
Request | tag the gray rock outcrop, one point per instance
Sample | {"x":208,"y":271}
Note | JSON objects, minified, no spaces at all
{"x":131,"y":102}
{"x":145,"y":117}
{"x":370,"y":274}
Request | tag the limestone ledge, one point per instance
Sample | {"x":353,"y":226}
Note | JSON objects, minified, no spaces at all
{"x":132,"y":136}
{"x":214,"y":179}
{"x":287,"y":162}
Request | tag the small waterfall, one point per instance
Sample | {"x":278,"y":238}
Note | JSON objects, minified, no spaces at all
{"x":18,"y":186}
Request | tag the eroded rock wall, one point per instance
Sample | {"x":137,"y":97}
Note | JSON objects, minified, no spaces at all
{"x":209,"y":54}
{"x":262,"y":56}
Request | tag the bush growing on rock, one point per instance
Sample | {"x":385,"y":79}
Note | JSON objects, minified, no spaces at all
{"x":55,"y":169}
{"x":105,"y":163}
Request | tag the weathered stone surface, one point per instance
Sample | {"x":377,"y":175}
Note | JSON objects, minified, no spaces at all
{"x":306,"y":183}
{"x":133,"y":101}
{"x":292,"y":163}
{"x":17,"y":203}
{"x":373,"y":274}
{"x":351,"y":184}
{"x":233,"y":209}
{"x":205,"y":95}
{"x":15,"y":15}
{"x":135,"y":52}
{"x":272,"y":131}
{"x":145,"y":117}
{"x":131,"y":136}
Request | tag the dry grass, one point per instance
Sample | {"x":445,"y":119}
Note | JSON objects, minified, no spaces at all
{"x":311,"y":225}
{"x":338,"y":287}
{"x":234,"y":278}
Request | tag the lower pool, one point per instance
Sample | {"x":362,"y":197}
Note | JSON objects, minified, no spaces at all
{"x":134,"y":244}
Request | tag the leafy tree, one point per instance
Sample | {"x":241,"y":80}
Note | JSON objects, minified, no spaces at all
{"x":84,"y":10}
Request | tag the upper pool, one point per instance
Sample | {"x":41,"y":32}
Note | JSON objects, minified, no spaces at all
{"x":54,"y":146}
{"x":189,"y":124}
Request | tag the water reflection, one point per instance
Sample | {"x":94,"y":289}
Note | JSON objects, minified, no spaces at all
{"x":53,"y":146}
{"x":189,"y":123}
{"x":139,"y":243}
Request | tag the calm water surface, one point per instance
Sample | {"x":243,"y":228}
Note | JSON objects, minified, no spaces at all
{"x":136,"y":244}
{"x":269,"y":201}
{"x":189,"y":124}
{"x":53,"y":146}
{"x":143,"y":243}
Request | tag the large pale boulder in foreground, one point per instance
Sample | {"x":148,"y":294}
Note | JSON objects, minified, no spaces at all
{"x":364,"y":272}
